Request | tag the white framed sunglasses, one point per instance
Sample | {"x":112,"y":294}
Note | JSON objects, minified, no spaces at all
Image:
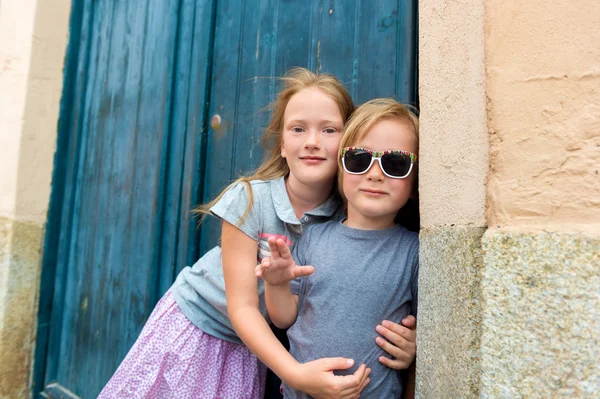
{"x":396,"y":164}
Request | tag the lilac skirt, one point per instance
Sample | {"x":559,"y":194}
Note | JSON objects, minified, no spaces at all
{"x":172,"y":358}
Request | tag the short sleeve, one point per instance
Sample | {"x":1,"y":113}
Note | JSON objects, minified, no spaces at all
{"x":415,"y":279}
{"x":296,"y":286}
{"x":231,"y":208}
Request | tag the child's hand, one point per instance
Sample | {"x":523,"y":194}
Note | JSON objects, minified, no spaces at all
{"x":401,"y":342}
{"x":280,"y":268}
{"x":316,"y":378}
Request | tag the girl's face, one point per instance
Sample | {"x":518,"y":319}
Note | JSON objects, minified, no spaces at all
{"x":312,"y":125}
{"x":374,"y":199}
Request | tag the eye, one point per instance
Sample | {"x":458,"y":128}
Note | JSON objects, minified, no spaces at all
{"x":330,"y":130}
{"x":297,"y":129}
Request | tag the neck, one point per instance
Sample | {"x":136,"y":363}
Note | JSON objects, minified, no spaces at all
{"x":362,"y":222}
{"x":305,"y":198}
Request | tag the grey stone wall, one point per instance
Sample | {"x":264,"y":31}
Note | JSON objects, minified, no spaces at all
{"x":449,"y":319}
{"x":20,"y":255}
{"x":541,"y":318}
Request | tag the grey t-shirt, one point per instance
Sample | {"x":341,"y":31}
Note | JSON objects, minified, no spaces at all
{"x":361,"y":278}
{"x":200,"y":290}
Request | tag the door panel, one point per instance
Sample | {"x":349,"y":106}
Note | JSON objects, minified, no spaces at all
{"x":123,"y":193}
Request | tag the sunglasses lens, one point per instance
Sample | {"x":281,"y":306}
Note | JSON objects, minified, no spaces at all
{"x":357,"y":161}
{"x":397,"y":165}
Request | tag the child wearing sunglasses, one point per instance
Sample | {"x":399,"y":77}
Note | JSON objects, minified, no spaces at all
{"x":364,"y":268}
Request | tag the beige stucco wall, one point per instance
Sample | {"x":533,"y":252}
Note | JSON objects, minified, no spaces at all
{"x":454,"y":140}
{"x":543,"y":85}
{"x":33,"y":38}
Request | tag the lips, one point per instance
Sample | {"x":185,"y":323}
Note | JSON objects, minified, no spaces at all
{"x":372,"y":192}
{"x":313,"y":158}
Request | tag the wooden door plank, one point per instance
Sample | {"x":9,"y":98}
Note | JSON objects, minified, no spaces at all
{"x":195,"y":128}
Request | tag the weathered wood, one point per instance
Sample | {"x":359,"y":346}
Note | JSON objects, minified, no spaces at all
{"x":56,"y":391}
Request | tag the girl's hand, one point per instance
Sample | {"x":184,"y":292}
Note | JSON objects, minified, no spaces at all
{"x":280,"y":268}
{"x":316,"y":378}
{"x":401,"y":342}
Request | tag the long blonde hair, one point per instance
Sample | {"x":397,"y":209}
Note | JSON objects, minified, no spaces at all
{"x":274,"y":165}
{"x":359,"y":124}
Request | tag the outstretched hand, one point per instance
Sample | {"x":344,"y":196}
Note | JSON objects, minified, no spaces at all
{"x":280,"y":267}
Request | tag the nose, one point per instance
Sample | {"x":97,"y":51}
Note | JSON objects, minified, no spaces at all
{"x":375,"y":173}
{"x":313,"y":139}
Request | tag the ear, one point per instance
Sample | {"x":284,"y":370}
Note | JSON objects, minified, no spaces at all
{"x":283,"y":151}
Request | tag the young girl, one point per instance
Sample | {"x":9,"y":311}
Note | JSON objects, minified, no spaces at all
{"x":192,"y":346}
{"x":365,"y":268}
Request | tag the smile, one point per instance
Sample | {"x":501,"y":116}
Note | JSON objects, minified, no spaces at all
{"x":312,"y":160}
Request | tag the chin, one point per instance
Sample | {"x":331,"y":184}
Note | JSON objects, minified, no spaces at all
{"x":319,"y":178}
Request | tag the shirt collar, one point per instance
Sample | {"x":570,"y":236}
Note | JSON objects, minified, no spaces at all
{"x":284,"y":208}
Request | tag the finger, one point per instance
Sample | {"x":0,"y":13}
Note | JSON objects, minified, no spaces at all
{"x":349,"y":384}
{"x":364,"y":384}
{"x":284,"y":250}
{"x":357,"y":382}
{"x":272,"y":241}
{"x":266,"y":263}
{"x":393,"y":350}
{"x":396,"y":339}
{"x":334,"y":363}
{"x":258,"y":270}
{"x":393,"y":364}
{"x":300,"y":271}
{"x":398,"y":329}
{"x":410,"y":321}
{"x":364,"y":378}
{"x":404,"y":338}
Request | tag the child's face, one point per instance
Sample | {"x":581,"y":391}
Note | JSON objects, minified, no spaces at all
{"x":373,"y":197}
{"x":312,"y":128}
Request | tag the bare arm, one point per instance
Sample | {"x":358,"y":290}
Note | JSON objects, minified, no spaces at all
{"x":239,"y":260}
{"x":315,"y":378}
{"x":282,"y":305}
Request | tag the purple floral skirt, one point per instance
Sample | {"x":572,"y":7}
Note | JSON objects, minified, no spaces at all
{"x":172,"y":358}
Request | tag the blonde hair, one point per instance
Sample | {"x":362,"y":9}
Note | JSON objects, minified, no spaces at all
{"x":274,"y":165}
{"x":359,"y":124}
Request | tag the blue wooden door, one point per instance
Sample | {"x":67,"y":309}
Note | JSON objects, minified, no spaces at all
{"x":135,"y":152}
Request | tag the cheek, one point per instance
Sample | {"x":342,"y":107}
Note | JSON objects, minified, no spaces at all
{"x":401,"y":187}
{"x":350,"y":182}
{"x":289,"y":144}
{"x":333,"y":143}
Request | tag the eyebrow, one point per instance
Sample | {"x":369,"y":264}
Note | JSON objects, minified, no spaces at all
{"x":325,"y":122}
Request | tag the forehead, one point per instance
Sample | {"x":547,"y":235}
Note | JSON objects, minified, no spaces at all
{"x":312,"y":104}
{"x":389,"y":134}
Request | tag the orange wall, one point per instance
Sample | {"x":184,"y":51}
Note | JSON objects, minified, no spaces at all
{"x":543,"y":89}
